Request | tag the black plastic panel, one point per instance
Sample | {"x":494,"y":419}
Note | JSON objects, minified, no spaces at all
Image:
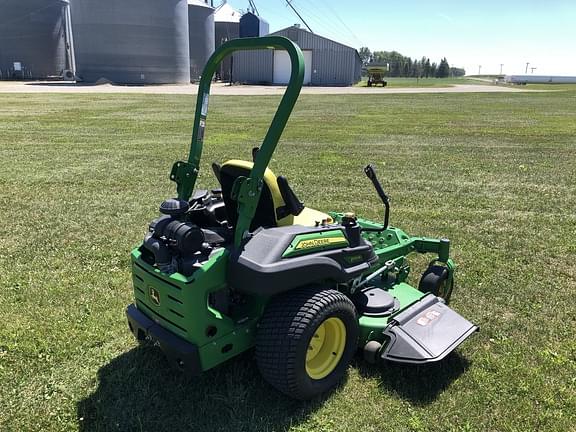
{"x":425,"y":332}
{"x":259,"y":268}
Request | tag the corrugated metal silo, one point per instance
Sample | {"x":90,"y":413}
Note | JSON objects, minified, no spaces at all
{"x":201,"y":32}
{"x":131,"y":41}
{"x":252,"y":25}
{"x":32,"y":35}
{"x":227,"y":27}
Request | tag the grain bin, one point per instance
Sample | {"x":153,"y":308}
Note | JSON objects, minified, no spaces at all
{"x":201,"y":32}
{"x":32,"y":38}
{"x":252,"y":25}
{"x":227,"y":27}
{"x":131,"y":41}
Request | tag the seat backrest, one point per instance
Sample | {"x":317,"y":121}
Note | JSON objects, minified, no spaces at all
{"x":270,"y":198}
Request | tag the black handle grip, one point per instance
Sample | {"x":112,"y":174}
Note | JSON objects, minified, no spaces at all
{"x":371,"y":174}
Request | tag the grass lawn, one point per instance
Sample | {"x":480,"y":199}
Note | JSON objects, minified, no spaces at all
{"x":549,"y":87}
{"x":423,"y":82}
{"x":81,"y":176}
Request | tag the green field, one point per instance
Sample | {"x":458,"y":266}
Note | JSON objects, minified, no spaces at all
{"x":423,"y":82}
{"x":81,"y":176}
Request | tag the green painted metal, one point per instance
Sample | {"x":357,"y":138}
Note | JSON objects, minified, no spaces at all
{"x":371,"y":327}
{"x":182,"y":304}
{"x":185,"y":311}
{"x":237,"y":332}
{"x":249,"y":189}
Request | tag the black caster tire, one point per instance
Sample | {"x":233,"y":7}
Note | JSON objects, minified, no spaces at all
{"x":371,"y":351}
{"x":306,"y":340}
{"x":435,"y":280}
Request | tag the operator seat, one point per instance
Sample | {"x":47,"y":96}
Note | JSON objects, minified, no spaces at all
{"x":269,"y":211}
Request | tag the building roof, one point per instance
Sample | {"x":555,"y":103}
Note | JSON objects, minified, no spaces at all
{"x":226,"y":13}
{"x":247,"y":14}
{"x":199,"y":3}
{"x":296,"y":27}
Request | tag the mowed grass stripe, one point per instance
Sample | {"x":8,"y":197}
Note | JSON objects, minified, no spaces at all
{"x":81,"y":176}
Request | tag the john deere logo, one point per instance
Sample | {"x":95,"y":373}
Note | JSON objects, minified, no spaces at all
{"x":320,"y":242}
{"x":154,"y":296}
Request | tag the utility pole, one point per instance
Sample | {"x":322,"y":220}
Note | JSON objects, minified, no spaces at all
{"x":527,"y":64}
{"x":501,"y":65}
{"x":532,"y":69}
{"x":289,"y":3}
{"x":479,"y":69}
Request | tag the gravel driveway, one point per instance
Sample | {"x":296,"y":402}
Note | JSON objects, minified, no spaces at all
{"x":239,"y":90}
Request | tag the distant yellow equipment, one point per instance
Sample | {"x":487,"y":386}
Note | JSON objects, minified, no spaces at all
{"x":376,"y":75}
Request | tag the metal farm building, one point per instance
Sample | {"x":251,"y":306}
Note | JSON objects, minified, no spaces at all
{"x":327,"y":63}
{"x":201,"y":33}
{"x":539,"y":79}
{"x":131,"y":41}
{"x":252,"y":25}
{"x":33,"y":39}
{"x":154,"y":42}
{"x":226,"y":27}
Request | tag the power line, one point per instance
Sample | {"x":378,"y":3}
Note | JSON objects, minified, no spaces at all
{"x":331,"y":9}
{"x":277,"y":11}
{"x":253,"y":6}
{"x":321,"y":22}
{"x":317,"y":17}
{"x":289,"y":3}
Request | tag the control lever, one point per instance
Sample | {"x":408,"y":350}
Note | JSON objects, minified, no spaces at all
{"x":371,"y":174}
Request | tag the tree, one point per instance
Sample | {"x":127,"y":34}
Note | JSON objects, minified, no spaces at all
{"x":443,"y":69}
{"x":401,"y":66}
{"x":365,"y":55}
{"x":414,"y":69}
{"x":433,"y":68}
{"x":407,"y":67}
{"x":427,"y":68}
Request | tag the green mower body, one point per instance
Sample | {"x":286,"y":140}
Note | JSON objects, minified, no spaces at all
{"x":247,"y":265}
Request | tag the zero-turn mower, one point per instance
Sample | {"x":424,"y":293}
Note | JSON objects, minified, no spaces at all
{"x":247,"y":265}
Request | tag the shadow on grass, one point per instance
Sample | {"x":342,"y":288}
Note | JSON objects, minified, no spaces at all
{"x":418,"y":384}
{"x":139,"y":391}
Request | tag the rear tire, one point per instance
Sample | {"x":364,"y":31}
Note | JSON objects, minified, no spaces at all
{"x":305,"y":341}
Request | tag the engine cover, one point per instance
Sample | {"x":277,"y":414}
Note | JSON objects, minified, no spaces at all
{"x":275,"y":260}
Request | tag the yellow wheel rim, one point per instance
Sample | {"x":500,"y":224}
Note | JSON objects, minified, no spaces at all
{"x":325,"y":348}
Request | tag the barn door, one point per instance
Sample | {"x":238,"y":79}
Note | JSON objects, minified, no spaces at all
{"x":282,"y":67}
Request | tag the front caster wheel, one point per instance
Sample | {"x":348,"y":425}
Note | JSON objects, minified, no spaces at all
{"x":371,"y":351}
{"x":436,"y":281}
{"x":305,"y":341}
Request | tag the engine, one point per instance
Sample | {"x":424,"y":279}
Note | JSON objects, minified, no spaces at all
{"x":175,"y":243}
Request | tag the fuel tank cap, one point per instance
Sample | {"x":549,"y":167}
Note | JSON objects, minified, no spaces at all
{"x":174,"y":207}
{"x":374,"y":301}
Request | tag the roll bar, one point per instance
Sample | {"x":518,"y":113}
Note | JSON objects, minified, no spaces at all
{"x":248,"y":190}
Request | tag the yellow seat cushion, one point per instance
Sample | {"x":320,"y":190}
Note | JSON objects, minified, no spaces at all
{"x":308,"y":216}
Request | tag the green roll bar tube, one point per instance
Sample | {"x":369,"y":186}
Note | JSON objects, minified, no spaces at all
{"x":246,"y":190}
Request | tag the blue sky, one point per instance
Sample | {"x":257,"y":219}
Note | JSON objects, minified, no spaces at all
{"x":469,"y":34}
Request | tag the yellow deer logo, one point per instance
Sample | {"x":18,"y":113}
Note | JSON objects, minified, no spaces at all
{"x":154,"y":296}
